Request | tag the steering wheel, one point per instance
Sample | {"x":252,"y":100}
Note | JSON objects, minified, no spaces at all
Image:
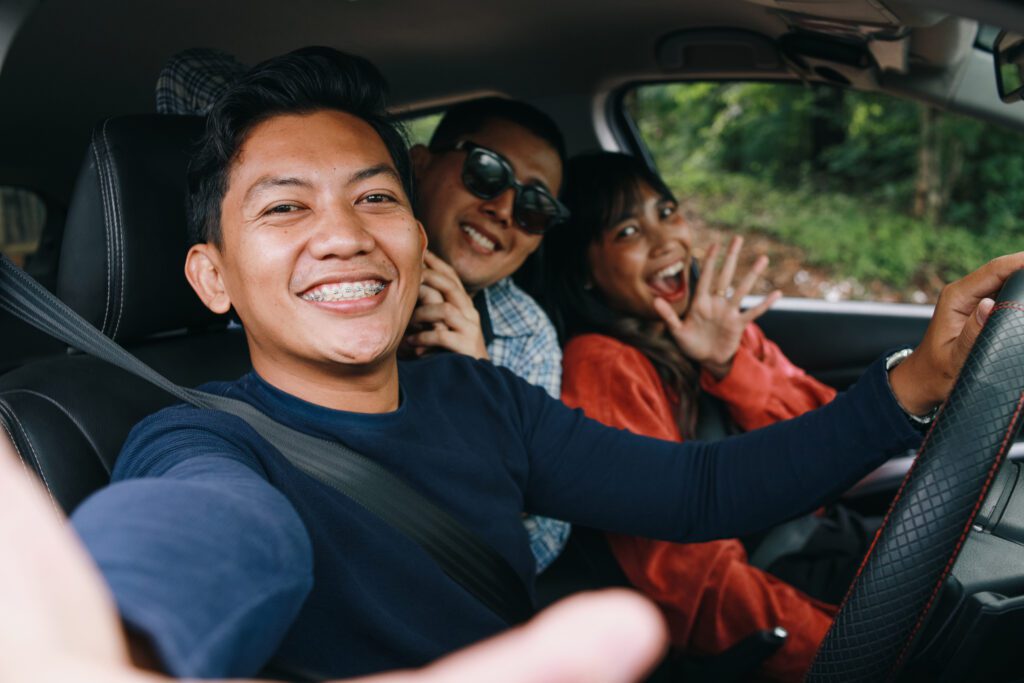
{"x":904,"y":571}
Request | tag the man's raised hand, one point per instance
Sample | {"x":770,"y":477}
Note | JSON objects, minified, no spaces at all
{"x":445,"y":317}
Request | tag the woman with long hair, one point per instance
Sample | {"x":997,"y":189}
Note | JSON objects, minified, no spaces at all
{"x":644,"y":335}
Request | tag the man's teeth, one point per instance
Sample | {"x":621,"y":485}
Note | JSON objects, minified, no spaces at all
{"x":477,"y":237}
{"x":669,"y":271}
{"x":346,"y":291}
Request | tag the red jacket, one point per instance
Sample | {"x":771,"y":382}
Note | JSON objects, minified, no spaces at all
{"x":711,"y":597}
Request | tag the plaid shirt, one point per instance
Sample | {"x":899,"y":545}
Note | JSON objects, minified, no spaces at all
{"x":525,"y":343}
{"x":192,"y":80}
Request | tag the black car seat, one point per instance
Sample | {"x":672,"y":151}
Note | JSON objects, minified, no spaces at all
{"x":20,"y":342}
{"x":121,"y":268}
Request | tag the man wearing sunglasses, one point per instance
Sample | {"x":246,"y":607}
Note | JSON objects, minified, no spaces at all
{"x":486,"y":193}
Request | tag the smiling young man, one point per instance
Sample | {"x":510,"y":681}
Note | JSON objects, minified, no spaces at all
{"x":486,"y":193}
{"x":225,"y":557}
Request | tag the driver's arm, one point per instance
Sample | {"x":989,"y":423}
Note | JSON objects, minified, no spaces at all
{"x":696,"y":491}
{"x":587,"y":473}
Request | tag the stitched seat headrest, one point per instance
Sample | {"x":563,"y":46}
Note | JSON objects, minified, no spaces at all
{"x":122,"y":261}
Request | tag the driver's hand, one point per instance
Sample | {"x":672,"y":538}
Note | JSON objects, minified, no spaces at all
{"x":59,"y":624}
{"x":925,"y":379}
{"x":445,"y":317}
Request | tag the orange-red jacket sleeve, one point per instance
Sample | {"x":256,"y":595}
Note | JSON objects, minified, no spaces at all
{"x":615,"y":384}
{"x":763,"y":386}
{"x":710,"y":596}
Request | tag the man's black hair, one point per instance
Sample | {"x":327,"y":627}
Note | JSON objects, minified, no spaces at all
{"x":300,"y":82}
{"x":469,"y":117}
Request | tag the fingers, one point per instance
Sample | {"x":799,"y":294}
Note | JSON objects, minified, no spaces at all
{"x":445,"y":305}
{"x":439,"y":336}
{"x":760,"y":309}
{"x":747,"y":283}
{"x":450,"y":288}
{"x":984,"y":282}
{"x":467,"y":343}
{"x":729,"y":265}
{"x":972,"y":328}
{"x":607,"y":637}
{"x":447,"y":329}
{"x":429,"y":295}
{"x":444,"y":313}
{"x":935,"y":364}
{"x":668,"y":315}
{"x":707,"y":275}
{"x":435,"y":262}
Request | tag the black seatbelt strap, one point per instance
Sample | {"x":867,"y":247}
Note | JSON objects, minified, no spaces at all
{"x":486,"y":328}
{"x":465,"y":558}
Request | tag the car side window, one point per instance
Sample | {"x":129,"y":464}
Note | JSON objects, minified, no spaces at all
{"x":22,"y":216}
{"x":853,"y":195}
{"x":421,"y":127}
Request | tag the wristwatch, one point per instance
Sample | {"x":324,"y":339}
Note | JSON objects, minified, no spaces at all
{"x":891,"y":361}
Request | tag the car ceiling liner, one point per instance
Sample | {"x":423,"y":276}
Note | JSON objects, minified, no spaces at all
{"x":845,"y":42}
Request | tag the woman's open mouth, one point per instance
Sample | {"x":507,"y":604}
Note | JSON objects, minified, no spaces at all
{"x":670,"y":282}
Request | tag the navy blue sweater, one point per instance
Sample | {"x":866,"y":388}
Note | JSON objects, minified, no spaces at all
{"x":230,"y":558}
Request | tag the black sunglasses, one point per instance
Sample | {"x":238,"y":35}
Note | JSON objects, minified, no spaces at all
{"x":487,"y":174}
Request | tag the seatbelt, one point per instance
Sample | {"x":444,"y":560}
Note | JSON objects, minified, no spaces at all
{"x":486,"y":328}
{"x":460,"y":553}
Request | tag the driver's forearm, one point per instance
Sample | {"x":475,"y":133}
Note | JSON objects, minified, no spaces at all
{"x":701,"y":491}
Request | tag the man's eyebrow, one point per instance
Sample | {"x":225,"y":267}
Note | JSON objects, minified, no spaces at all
{"x":371,"y":171}
{"x":267,"y":182}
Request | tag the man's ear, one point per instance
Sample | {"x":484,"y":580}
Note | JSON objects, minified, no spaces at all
{"x":423,"y":239}
{"x":421,"y":157}
{"x":203,"y":272}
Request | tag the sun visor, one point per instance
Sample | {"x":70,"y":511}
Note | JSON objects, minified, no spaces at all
{"x":707,"y":51}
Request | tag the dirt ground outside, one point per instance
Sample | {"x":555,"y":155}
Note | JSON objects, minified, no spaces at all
{"x":789,"y":272}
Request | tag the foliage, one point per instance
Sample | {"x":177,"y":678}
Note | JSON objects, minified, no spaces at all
{"x":870,"y":186}
{"x":840,"y":232}
{"x":420,"y":128}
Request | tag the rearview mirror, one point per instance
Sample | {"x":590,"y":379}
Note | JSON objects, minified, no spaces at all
{"x":1008,"y":55}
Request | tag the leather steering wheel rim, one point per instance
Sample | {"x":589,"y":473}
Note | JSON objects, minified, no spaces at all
{"x":904,"y":570}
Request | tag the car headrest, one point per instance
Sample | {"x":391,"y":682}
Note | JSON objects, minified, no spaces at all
{"x":122,"y":261}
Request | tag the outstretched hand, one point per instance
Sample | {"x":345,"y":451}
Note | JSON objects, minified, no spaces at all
{"x":712,"y":326}
{"x":925,"y":379}
{"x":612,"y":636}
{"x":59,"y":624}
{"x":445,"y":317}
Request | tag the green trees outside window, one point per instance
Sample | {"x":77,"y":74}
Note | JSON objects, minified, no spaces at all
{"x":854,"y":195}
